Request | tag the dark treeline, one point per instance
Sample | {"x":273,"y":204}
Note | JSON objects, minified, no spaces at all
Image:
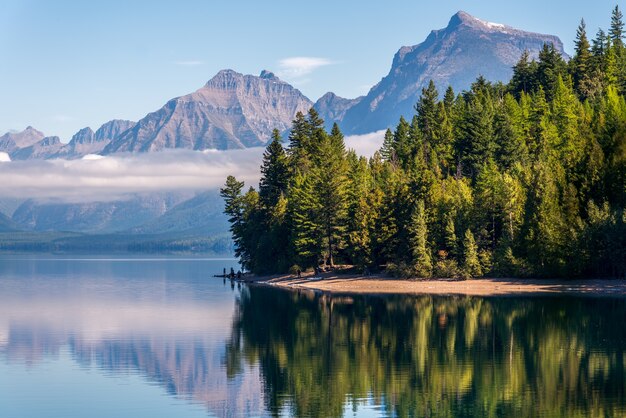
{"x":520,"y":179}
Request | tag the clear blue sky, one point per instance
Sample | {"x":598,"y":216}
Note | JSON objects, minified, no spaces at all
{"x":69,"y":64}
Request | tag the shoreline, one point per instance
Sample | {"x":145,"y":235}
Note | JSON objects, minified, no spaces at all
{"x":384,"y":285}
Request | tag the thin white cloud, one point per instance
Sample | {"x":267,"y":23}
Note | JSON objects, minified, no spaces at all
{"x":298,"y":67}
{"x":366,"y":144}
{"x":117,"y":177}
{"x":98,"y":178}
{"x":189,"y":63}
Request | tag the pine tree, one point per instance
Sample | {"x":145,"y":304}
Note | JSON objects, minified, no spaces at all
{"x":616,"y":32}
{"x":234,"y":209}
{"x":543,"y":224}
{"x":471,"y":264}
{"x":581,"y":61}
{"x":304,"y":208}
{"x":476,"y":142}
{"x":360,"y":212}
{"x":427,"y":117}
{"x":330,"y":186}
{"x":448,"y":100}
{"x":450,"y":237}
{"x":299,"y":145}
{"x":510,"y":144}
{"x":402,"y":142}
{"x":274,"y":172}
{"x":611,"y":70}
{"x":419,"y":242}
{"x":387,"y":151}
{"x":550,"y":67}
{"x":524,"y":75}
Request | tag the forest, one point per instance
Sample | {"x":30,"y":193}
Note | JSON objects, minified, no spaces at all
{"x":525,"y":179}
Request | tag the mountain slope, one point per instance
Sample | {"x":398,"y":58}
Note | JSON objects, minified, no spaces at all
{"x":48,"y":146}
{"x":231,"y":111}
{"x":12,"y":141}
{"x":333,"y":108}
{"x":466,"y":48}
{"x":201,"y":215}
{"x":95,"y":217}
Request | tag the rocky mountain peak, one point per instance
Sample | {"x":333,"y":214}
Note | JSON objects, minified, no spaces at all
{"x":452,"y":56}
{"x":50,"y":141}
{"x":232,"y":110}
{"x":11,"y":141}
{"x":268,"y":75}
{"x":84,"y":136}
{"x":112,"y":129}
{"x":224,"y":79}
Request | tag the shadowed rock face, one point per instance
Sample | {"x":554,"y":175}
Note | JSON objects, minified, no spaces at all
{"x":333,"y":108}
{"x":231,"y":111}
{"x":86,"y":141}
{"x":456,"y":55}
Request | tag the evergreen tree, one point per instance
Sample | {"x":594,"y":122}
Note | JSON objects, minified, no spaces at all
{"x":387,"y":151}
{"x":304,"y":210}
{"x":549,"y":68}
{"x":519,"y":165}
{"x":274,"y":172}
{"x":616,"y":31}
{"x":581,"y":62}
{"x":299,"y":145}
{"x":330,"y":186}
{"x":419,"y":242}
{"x":360,"y":212}
{"x":450,"y":237}
{"x":471,"y":264}
{"x":427,"y":114}
{"x":524,"y":75}
{"x":234,"y":209}
{"x":401,"y":140}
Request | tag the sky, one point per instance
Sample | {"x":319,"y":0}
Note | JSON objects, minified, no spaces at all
{"x":66,"y":64}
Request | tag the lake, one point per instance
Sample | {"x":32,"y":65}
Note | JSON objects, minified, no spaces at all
{"x":160,"y":337}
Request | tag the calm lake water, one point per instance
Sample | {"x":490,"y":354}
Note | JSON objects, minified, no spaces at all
{"x":144,"y":337}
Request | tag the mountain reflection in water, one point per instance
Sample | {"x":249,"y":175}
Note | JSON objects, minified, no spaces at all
{"x":262,"y":351}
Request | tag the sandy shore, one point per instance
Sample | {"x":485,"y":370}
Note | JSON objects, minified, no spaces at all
{"x":333,"y":283}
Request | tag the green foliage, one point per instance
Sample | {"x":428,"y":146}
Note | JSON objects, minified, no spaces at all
{"x":527,"y":179}
{"x":471,"y":263}
{"x":419,"y":242}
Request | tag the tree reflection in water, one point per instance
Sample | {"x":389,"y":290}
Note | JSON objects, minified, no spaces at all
{"x":433,"y":356}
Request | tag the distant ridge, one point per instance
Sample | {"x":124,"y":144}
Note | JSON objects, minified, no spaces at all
{"x":456,"y":56}
{"x":233,"y":110}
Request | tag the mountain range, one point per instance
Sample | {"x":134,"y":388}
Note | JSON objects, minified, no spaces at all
{"x":234,"y":111}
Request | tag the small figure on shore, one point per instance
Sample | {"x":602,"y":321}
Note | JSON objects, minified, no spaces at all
{"x":317,"y":270}
{"x":299,"y":274}
{"x":224,"y":272}
{"x":232,"y":273}
{"x":239,"y":275}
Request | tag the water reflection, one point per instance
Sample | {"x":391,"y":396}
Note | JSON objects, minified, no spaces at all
{"x":166,"y":322}
{"x":257,"y":351}
{"x":433,"y":356}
